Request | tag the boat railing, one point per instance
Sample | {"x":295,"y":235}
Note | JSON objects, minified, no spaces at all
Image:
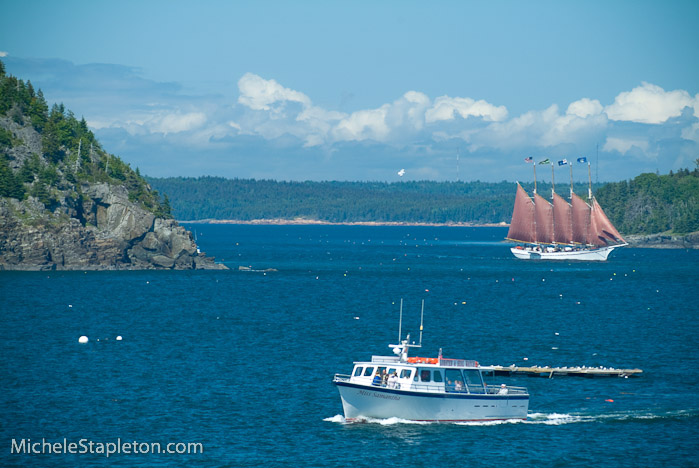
{"x":386,"y":359}
{"x":493,"y":390}
{"x":341,"y":378}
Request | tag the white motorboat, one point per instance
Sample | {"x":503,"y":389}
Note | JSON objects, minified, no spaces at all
{"x":426,"y":389}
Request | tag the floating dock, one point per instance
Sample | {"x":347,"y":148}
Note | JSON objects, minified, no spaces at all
{"x":549,"y":372}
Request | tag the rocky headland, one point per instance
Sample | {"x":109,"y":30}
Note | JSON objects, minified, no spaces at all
{"x":66,"y":204}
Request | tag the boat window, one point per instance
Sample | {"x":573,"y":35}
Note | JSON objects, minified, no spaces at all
{"x":455,"y":382}
{"x":425,"y":375}
{"x":380,"y":370}
{"x":358,"y":371}
{"x":473,"y":380}
{"x":368,"y":371}
{"x":405,"y":373}
{"x":391,"y":371}
{"x":437,"y":375}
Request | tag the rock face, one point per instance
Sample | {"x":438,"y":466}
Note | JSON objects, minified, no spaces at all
{"x":664,"y":241}
{"x":105,"y":231}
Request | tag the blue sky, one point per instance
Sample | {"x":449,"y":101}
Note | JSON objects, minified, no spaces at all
{"x":323,"y":90}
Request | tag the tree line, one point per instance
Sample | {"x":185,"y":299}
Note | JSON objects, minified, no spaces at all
{"x":69,"y":154}
{"x":649,"y":203}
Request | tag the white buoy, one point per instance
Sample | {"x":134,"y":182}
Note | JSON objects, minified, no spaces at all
{"x":82,"y":339}
{"x":118,"y":338}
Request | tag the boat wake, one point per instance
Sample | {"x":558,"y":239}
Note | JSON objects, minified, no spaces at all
{"x":549,"y":419}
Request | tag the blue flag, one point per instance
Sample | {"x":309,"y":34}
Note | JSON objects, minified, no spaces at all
{"x":582,"y":160}
{"x":562,"y":162}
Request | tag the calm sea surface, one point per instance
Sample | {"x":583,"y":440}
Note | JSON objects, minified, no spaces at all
{"x":241,"y":361}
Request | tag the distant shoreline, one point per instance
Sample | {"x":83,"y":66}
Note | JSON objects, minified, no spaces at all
{"x":652,"y":241}
{"x":311,"y":222}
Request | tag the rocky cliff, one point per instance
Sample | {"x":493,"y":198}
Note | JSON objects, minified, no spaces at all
{"x":66,"y":204}
{"x":111,"y":234}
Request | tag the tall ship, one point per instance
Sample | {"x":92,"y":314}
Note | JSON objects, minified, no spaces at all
{"x":561,"y":229}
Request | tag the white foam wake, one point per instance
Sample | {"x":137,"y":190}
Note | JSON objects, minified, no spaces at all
{"x":550,"y":419}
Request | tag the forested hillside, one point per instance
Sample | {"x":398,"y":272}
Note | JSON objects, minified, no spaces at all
{"x":410,"y":202}
{"x":652,"y":203}
{"x":648,"y":204}
{"x":67,"y":204}
{"x":65,"y":155}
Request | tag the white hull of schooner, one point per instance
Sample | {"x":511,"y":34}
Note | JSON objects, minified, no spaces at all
{"x":587,"y":255}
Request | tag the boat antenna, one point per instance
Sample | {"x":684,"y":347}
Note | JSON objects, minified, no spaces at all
{"x":400,"y":322}
{"x":553,"y":184}
{"x":422,"y":314}
{"x":589,"y":179}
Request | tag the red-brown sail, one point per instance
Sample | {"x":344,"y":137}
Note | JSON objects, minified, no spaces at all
{"x":544,"y":219}
{"x":562,"y":220}
{"x":581,"y":220}
{"x":602,"y":231}
{"x":522,"y":225}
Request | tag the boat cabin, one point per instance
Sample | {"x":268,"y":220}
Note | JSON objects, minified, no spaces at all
{"x":420,"y":374}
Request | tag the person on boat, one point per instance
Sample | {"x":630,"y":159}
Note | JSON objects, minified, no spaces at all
{"x":377,"y":379}
{"x":393,"y":380}
{"x":503,"y":390}
{"x":384,"y":378}
{"x":458,"y":386}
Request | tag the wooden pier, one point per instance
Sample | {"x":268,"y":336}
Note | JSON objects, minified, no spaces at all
{"x":549,"y":372}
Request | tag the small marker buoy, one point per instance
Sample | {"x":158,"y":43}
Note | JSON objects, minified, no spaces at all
{"x":118,"y":338}
{"x":526,"y":358}
{"x":82,"y":339}
{"x":356,"y":318}
{"x":556,"y":333}
{"x":610,"y":400}
{"x":70,"y":306}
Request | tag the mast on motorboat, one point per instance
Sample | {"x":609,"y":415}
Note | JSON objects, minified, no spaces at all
{"x":401,"y":349}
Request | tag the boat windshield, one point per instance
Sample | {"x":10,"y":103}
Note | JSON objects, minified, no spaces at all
{"x":470,"y":381}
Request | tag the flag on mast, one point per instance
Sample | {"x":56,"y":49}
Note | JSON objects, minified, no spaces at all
{"x":582,"y":160}
{"x":529,"y":159}
{"x":562,"y":162}
{"x":545,"y":161}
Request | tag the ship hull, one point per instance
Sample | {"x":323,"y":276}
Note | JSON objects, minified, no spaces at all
{"x":587,"y":255}
{"x":361,"y":401}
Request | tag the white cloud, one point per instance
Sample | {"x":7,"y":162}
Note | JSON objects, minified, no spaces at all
{"x":545,"y":128}
{"x":446,"y":108}
{"x":651,"y":104}
{"x":585,"y":107}
{"x":624,"y":145}
{"x":3,"y":53}
{"x":260,"y":94}
{"x":363,"y":125}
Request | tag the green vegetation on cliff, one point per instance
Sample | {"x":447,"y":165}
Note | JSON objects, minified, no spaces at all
{"x":652,"y":203}
{"x":66,"y":154}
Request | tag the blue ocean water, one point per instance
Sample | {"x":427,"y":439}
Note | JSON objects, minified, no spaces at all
{"x":242,"y":361}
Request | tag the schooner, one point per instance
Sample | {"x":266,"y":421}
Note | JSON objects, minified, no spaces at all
{"x":561,"y":230}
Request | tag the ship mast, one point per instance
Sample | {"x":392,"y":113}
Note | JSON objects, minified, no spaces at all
{"x":534,"y":177}
{"x":589,"y":179}
{"x":553,"y":218}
